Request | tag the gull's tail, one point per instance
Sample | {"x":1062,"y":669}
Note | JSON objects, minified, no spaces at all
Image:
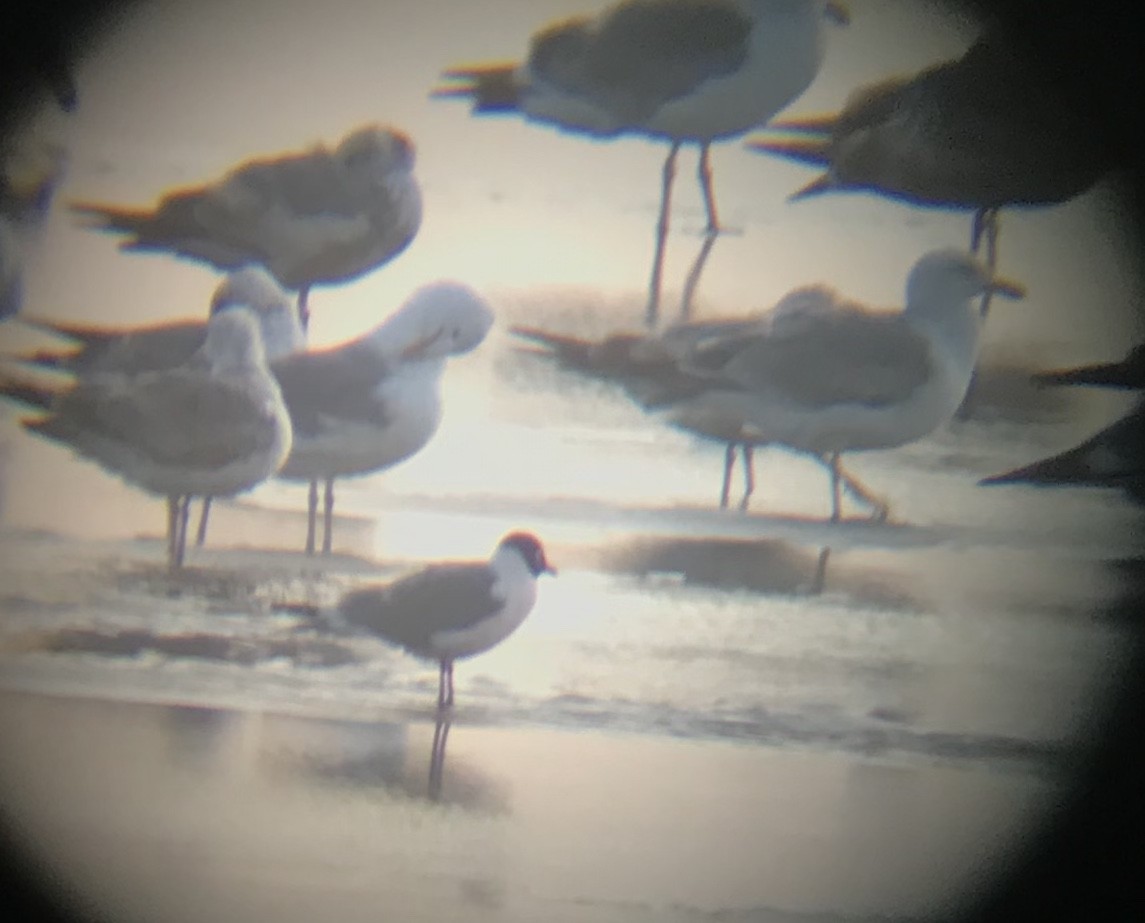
{"x":569,"y":350}
{"x":110,"y":218}
{"x":28,"y":393}
{"x":493,"y":88}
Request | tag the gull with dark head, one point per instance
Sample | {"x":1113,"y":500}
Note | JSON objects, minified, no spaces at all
{"x":820,"y":374}
{"x":681,"y":71}
{"x":319,"y":217}
{"x":368,"y":404}
{"x":453,"y":610}
{"x":215,"y":426}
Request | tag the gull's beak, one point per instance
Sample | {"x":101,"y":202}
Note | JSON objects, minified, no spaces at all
{"x":1006,"y":288}
{"x":417,"y":349}
{"x":838,"y":12}
{"x":549,"y":569}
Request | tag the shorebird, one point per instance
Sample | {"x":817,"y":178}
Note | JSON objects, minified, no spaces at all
{"x":820,"y":374}
{"x":452,"y":610}
{"x":680,"y":71}
{"x":319,"y":217}
{"x":983,"y":132}
{"x":1112,"y":457}
{"x":131,"y":350}
{"x":215,"y":426}
{"x":371,"y":403}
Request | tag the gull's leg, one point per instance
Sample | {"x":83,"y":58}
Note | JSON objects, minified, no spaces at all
{"x":880,"y":508}
{"x":705,"y":177}
{"x":304,"y":307}
{"x":204,"y":513}
{"x":447,"y":673}
{"x":437,"y":754}
{"x":748,"y":476}
{"x":311,"y":516}
{"x":328,"y":517}
{"x":820,"y":578}
{"x":729,"y":465}
{"x":711,"y":232}
{"x":182,"y":515}
{"x":836,"y":499}
{"x":441,"y":685}
{"x":692,"y":282}
{"x":172,"y":531}
{"x":653,"y":312}
{"x":985,"y":227}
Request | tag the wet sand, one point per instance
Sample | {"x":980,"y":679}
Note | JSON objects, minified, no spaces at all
{"x":181,"y":813}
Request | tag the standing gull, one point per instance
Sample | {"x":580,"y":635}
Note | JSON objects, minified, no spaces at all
{"x":983,"y":131}
{"x":321,"y":217}
{"x":375,"y":401}
{"x":1113,"y":457}
{"x":215,"y":426}
{"x":451,"y":610}
{"x":823,"y":375}
{"x":681,"y":71}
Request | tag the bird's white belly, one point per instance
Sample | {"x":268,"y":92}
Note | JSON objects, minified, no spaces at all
{"x":827,"y":428}
{"x":488,"y":632}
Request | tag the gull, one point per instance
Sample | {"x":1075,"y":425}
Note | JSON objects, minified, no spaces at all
{"x":1112,"y":457}
{"x":823,"y":375}
{"x":215,"y":426}
{"x":681,"y":71}
{"x":450,"y":610}
{"x":369,"y":404}
{"x":982,"y":132}
{"x":131,"y":350}
{"x":319,"y":217}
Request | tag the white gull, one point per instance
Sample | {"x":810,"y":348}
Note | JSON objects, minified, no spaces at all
{"x":215,"y":426}
{"x":820,"y":374}
{"x":368,"y":404}
{"x":683,"y":71}
{"x":319,"y":217}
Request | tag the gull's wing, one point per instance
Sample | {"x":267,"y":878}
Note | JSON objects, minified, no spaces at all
{"x":641,"y":54}
{"x":849,"y":356}
{"x":176,"y":418}
{"x":409,"y":611}
{"x":343,"y":383}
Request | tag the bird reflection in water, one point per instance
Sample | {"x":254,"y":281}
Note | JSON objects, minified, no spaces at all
{"x":437,"y":753}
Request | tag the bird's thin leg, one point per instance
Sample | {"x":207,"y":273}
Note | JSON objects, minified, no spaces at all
{"x":692,"y":282}
{"x":441,"y":685}
{"x":182,"y":515}
{"x":986,"y":223}
{"x":445,"y":685}
{"x":304,"y":307}
{"x":836,"y":499}
{"x":729,"y":466}
{"x":880,"y":508}
{"x":172,"y":530}
{"x":652,"y":314}
{"x":748,"y":476}
{"x":311,"y":516}
{"x":705,"y":177}
{"x":437,"y":754}
{"x":204,"y":513}
{"x":820,"y":579}
{"x":328,"y":517}
{"x":991,"y":231}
